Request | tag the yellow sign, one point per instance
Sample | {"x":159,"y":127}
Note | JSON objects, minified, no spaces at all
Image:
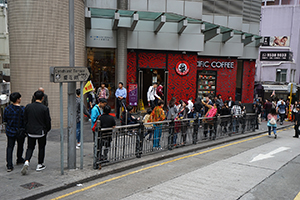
{"x":88,"y":87}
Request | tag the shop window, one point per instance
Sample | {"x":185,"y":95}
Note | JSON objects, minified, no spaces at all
{"x":281,"y":75}
{"x":206,"y":83}
{"x":101,"y":63}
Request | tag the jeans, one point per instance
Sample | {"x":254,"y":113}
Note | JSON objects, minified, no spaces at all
{"x":199,"y":115}
{"x":235,"y":125}
{"x":274,"y":129}
{"x":10,"y":148}
{"x":119,"y":106}
{"x":31,"y":145}
{"x":157,"y":135}
{"x":78,"y":132}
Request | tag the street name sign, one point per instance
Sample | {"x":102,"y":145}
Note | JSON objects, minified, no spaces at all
{"x":68,"y":74}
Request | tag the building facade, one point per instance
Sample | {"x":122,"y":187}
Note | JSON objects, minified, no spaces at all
{"x":278,"y":62}
{"x":4,"y":38}
{"x":193,"y":47}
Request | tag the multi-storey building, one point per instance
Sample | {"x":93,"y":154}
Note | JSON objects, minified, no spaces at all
{"x":4,"y":48}
{"x":194,"y":47}
{"x":279,"y":57}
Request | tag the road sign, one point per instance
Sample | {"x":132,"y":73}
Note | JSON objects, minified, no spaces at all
{"x":68,"y":74}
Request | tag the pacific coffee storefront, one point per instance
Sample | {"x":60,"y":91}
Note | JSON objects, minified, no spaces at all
{"x":187,"y":75}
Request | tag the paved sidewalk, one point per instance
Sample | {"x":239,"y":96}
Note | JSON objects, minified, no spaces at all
{"x":50,"y":178}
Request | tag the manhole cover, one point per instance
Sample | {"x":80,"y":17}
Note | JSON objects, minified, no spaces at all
{"x":31,"y":185}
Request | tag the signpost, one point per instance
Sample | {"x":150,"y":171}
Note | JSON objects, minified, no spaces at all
{"x":68,"y":75}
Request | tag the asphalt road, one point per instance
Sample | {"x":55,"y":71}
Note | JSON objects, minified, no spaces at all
{"x":256,"y":168}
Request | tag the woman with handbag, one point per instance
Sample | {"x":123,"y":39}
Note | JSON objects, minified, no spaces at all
{"x":272,"y":119}
{"x":14,"y":118}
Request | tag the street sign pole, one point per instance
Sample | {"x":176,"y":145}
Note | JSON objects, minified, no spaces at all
{"x":61,"y":129}
{"x":71,"y":94}
{"x":81,"y":125}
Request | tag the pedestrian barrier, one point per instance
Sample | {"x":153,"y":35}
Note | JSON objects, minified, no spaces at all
{"x":133,"y":141}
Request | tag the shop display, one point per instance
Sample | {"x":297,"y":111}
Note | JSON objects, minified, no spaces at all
{"x":206,"y":83}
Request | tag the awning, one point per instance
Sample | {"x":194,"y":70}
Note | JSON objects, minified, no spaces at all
{"x":270,"y":88}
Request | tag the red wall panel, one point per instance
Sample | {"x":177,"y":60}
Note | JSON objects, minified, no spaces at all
{"x":182,"y":87}
{"x":248,"y":82}
{"x":131,"y":67}
{"x":152,"y":60}
{"x":226,"y":77}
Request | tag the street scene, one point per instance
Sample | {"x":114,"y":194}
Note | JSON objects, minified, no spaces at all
{"x":148,"y":99}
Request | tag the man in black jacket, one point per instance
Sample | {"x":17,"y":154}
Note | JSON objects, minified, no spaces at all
{"x":37,"y":124}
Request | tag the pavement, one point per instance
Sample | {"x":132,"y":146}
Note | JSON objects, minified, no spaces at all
{"x":38,"y":184}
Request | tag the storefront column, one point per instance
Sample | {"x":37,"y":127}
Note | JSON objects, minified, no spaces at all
{"x":121,"y":70}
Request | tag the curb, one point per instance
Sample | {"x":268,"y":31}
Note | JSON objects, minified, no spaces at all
{"x":159,"y":157}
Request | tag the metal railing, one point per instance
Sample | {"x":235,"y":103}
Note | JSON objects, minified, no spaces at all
{"x":133,"y":141}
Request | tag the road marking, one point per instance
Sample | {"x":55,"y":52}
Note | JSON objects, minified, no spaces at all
{"x":157,"y":165}
{"x":297,"y":197}
{"x":269,"y":155}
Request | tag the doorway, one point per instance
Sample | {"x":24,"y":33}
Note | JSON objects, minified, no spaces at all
{"x":149,"y":76}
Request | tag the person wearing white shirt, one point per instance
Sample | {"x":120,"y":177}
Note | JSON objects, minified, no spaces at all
{"x":190,"y":107}
{"x":151,"y":94}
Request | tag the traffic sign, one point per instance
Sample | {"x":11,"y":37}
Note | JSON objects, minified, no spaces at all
{"x":68,"y":74}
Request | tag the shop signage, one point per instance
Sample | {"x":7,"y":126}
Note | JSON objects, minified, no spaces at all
{"x":133,"y":97}
{"x":182,"y":68}
{"x":276,"y":56}
{"x":215,"y":64}
{"x":68,"y":74}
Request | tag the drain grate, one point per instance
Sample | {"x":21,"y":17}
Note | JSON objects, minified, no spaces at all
{"x":31,"y":185}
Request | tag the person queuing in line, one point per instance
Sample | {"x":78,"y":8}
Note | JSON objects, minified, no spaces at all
{"x":281,"y":109}
{"x":272,"y":119}
{"x":297,"y":122}
{"x":236,"y":112}
{"x":230,"y":102}
{"x":160,"y":90}
{"x":157,"y":115}
{"x":209,"y":121}
{"x":151,"y":95}
{"x":225,"y":110}
{"x":190,"y":106}
{"x":91,"y":100}
{"x":219,"y":101}
{"x":14,"y":118}
{"x":183,"y":114}
{"x":107,"y":121}
{"x":130,"y":118}
{"x":121,"y":94}
{"x":242,"y":118}
{"x":45,"y":101}
{"x":173,"y":111}
{"x":148,"y":127}
{"x":103,"y":92}
{"x":37,"y":124}
{"x":208,"y":105}
{"x":78,"y":119}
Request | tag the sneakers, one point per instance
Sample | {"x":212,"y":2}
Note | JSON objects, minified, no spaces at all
{"x":40,"y":167}
{"x":10,"y":169}
{"x":275,"y":136}
{"x":25,"y":168}
{"x":78,"y":145}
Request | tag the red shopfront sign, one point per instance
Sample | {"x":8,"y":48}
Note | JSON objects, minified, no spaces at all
{"x":182,"y":68}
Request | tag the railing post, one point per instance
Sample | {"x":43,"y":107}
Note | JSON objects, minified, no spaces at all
{"x":139,"y":141}
{"x":171,"y":134}
{"x":96,"y":144}
{"x":196,"y":126}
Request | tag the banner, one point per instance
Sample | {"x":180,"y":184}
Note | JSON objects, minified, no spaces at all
{"x":132,"y":95}
{"x":277,"y":41}
{"x":88,"y":87}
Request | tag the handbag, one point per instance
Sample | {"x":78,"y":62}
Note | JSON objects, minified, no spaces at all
{"x":272,"y":121}
{"x":20,"y":133}
{"x":95,"y":124}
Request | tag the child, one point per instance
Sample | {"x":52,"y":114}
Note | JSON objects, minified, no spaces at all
{"x":149,"y":127}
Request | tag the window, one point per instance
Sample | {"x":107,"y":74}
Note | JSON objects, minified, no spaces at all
{"x":281,"y":75}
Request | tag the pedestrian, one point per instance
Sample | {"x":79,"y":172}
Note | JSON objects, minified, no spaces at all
{"x":151,"y":95}
{"x":230,"y":102}
{"x":225,"y":111}
{"x":157,"y":115}
{"x":281,"y":109}
{"x":160,"y":90}
{"x":209,"y":120}
{"x":294,"y":111}
{"x":219,"y":102}
{"x":190,"y":106}
{"x":257,"y":111}
{"x":297,"y":122}
{"x":37,"y":124}
{"x":91,"y":100}
{"x":78,"y":119}
{"x":96,"y":112}
{"x":236,"y":112}
{"x":207,"y":126}
{"x":183,"y":114}
{"x":103,"y":92}
{"x":121,"y":94}
{"x":45,"y":101}
{"x":272,"y":118}
{"x":267,"y":108}
{"x":148,"y":127}
{"x":14,"y":118}
{"x":107,"y":121}
{"x":173,"y":111}
{"x":130,"y":118}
